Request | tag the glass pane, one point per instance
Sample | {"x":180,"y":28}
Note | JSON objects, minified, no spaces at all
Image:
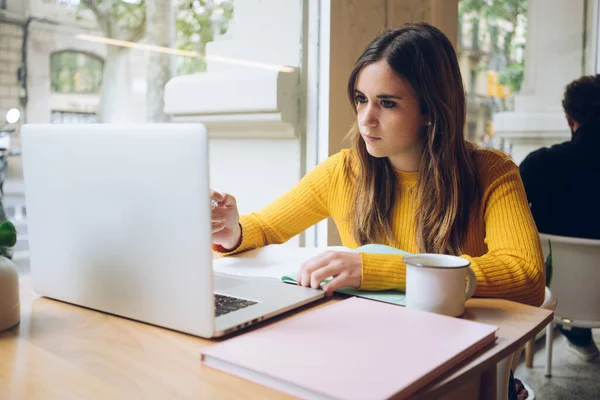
{"x":492,"y":37}
{"x":75,"y":72}
{"x":516,"y":57}
{"x":196,"y":24}
{"x":105,"y":64}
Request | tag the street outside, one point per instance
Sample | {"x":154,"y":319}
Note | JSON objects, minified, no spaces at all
{"x":14,"y":204}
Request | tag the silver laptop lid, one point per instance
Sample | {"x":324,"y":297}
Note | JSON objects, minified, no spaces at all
{"x":119,"y":220}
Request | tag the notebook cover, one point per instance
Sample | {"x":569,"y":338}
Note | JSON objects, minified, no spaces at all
{"x":353,"y":349}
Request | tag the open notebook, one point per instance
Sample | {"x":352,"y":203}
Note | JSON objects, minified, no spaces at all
{"x":353,"y":349}
{"x":283,"y":262}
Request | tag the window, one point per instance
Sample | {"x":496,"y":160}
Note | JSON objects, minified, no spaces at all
{"x":75,"y":72}
{"x":64,"y":117}
{"x":66,"y":3}
{"x":492,"y":36}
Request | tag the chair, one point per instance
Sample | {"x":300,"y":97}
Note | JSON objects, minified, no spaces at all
{"x":550,"y":303}
{"x":575,"y":280}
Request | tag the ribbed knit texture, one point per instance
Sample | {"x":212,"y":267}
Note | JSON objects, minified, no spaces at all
{"x":502,"y":241}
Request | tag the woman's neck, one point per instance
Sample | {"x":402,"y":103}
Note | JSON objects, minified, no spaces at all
{"x":406,"y":162}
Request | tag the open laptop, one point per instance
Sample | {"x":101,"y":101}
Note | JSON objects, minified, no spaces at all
{"x":119,"y":221}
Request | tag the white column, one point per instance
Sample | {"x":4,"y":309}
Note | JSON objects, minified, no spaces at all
{"x":553,"y":58}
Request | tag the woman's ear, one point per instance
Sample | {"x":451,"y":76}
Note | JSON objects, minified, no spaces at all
{"x":426,"y":118}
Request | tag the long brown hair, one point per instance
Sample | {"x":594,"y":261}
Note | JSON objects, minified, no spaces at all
{"x":447,"y":186}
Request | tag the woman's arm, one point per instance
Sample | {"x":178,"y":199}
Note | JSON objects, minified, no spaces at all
{"x":301,"y":207}
{"x":513,"y":266}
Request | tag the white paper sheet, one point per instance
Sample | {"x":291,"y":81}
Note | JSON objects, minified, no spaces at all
{"x":273,"y":261}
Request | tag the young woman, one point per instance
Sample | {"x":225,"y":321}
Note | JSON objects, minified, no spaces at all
{"x":409,"y":181}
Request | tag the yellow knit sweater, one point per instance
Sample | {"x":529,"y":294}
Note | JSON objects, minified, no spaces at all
{"x":503,"y":246}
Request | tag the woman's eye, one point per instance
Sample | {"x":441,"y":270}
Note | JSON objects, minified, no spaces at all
{"x":388,"y":104}
{"x":360,"y":99}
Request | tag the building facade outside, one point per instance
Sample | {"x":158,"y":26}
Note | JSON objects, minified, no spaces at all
{"x":51,"y":75}
{"x":490,"y":52}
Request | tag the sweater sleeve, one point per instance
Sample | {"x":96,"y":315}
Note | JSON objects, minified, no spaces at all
{"x":513,"y":266}
{"x":301,"y":207}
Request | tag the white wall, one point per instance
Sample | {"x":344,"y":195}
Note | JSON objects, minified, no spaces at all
{"x":255,"y":171}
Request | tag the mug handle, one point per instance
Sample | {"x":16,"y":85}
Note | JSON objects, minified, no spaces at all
{"x":472,"y":283}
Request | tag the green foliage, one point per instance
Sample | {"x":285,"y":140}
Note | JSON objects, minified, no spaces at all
{"x":129,"y":15}
{"x":495,"y":10}
{"x":502,"y":17}
{"x":196,"y":22}
{"x":8,"y":234}
{"x":512,"y":76}
{"x":115,"y":15}
{"x":195,"y":25}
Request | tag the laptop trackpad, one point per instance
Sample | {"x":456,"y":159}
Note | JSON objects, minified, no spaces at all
{"x":223,"y":282}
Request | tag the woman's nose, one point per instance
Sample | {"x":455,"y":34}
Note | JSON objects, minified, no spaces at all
{"x":368,"y":116}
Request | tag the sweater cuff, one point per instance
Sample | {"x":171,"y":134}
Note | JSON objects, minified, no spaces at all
{"x":252,"y":237}
{"x":383,"y":271}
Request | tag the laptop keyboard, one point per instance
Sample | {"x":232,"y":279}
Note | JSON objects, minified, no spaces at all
{"x":226,"y":304}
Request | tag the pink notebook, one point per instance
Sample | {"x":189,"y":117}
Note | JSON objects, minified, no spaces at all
{"x":353,"y":349}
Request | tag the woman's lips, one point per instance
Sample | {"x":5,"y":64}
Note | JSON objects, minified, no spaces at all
{"x":369,"y":138}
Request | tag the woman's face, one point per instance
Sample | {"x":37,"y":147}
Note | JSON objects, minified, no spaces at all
{"x":389,"y":116}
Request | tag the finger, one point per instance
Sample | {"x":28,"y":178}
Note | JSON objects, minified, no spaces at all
{"x":300,"y":278}
{"x":217,"y":227}
{"x":311,"y":265}
{"x":303,"y":279}
{"x":319,"y":261}
{"x":227,"y":201}
{"x":336,"y":283}
{"x":214,"y":195}
{"x":323,"y":273}
{"x":217,"y":216}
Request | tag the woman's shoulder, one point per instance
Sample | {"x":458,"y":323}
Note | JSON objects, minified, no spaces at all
{"x":485,"y":156}
{"x":333,"y":167}
{"x":491,"y":164}
{"x":345,"y":155}
{"x":487,"y":159}
{"x":339,"y":161}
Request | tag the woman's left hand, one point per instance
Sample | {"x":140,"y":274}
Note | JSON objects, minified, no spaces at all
{"x":346,"y":269}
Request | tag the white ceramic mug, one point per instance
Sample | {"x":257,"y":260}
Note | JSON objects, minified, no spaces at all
{"x":436,"y":283}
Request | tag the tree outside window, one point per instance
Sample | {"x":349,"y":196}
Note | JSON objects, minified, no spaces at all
{"x":492,"y":36}
{"x":197,"y":22}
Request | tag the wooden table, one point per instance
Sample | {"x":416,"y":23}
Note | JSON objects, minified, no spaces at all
{"x":60,"y":351}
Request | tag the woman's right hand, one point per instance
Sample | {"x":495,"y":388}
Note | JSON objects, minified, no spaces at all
{"x":226,"y":229}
